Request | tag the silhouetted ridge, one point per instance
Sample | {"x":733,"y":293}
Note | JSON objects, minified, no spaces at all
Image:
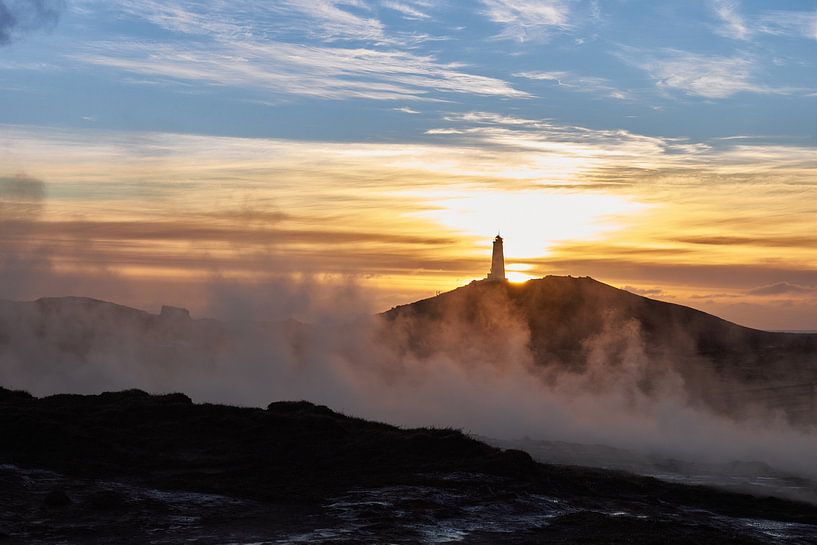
{"x":566,"y":322}
{"x":301,"y":408}
{"x":562,"y":313}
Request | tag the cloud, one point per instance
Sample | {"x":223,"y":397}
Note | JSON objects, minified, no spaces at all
{"x":573,"y":150}
{"x":581,"y":84}
{"x":408,"y":11}
{"x":19,"y":17}
{"x":524,"y":20}
{"x":325,"y":20}
{"x":734,"y":25}
{"x":789,"y":23}
{"x":261,"y":47}
{"x":201,"y":231}
{"x":248,"y":47}
{"x":646,"y":292}
{"x":766,"y":240}
{"x":783,"y":288}
{"x":706,"y":76}
{"x":21,"y":197}
{"x":802,"y":24}
{"x":334,"y":22}
{"x":278,"y":67}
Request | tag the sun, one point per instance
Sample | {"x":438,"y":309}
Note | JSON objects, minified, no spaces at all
{"x":516,"y":277}
{"x":532,"y":221}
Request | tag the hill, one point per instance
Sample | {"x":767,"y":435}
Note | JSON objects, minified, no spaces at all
{"x":569,"y":323}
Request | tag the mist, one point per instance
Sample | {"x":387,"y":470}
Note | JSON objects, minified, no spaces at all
{"x":360,"y":364}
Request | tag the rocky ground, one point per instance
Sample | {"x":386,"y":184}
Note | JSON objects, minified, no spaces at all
{"x":129,"y":468}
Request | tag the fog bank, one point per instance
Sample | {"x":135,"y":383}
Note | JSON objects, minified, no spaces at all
{"x":357,"y":363}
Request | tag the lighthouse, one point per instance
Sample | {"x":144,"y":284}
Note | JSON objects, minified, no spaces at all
{"x":497,"y":261}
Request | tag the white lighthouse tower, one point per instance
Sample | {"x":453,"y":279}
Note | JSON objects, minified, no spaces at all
{"x":497,"y":261}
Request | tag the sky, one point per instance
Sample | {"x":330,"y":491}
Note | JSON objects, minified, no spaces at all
{"x":669,"y":148}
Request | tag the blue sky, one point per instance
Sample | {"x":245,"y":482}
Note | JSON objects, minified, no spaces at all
{"x":392,"y":70}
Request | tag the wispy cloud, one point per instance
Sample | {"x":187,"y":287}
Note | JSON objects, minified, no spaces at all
{"x":707,"y":76}
{"x":332,"y":21}
{"x":321,"y":19}
{"x":552,"y":152}
{"x":277,"y":67}
{"x":234,"y":49}
{"x":783,"y":288}
{"x":801,"y":24}
{"x":733,"y":25}
{"x":578,"y":83}
{"x":524,"y":20}
{"x":547,"y":135}
{"x":736,"y":25}
{"x":408,"y":11}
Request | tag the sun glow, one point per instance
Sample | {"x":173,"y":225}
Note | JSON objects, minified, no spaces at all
{"x":531,"y":221}
{"x":516,"y":277}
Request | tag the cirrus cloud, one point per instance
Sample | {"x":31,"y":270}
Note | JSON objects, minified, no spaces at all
{"x":708,"y":76}
{"x":524,"y":20}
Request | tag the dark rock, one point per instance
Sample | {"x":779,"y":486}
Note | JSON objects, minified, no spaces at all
{"x":106,"y":500}
{"x":174,"y":313}
{"x":594,"y":527}
{"x":176,"y":398}
{"x":57,"y":498}
{"x":133,"y":393}
{"x":300,"y":407}
{"x":14,"y":395}
{"x":301,"y":454}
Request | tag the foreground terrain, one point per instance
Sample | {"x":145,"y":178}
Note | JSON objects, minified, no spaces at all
{"x":136,"y":468}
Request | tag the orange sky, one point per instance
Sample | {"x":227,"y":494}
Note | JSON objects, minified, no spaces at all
{"x":727,"y":228}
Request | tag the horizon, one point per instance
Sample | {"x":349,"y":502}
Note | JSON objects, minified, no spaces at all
{"x":172,"y":153}
{"x":157,"y":311}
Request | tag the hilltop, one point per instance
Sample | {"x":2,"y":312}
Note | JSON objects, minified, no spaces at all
{"x":564,"y":313}
{"x":567,"y":323}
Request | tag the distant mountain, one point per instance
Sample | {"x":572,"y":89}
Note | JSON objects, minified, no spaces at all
{"x":568,"y":322}
{"x":76,"y":328}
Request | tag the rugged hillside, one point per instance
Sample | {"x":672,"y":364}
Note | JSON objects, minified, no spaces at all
{"x":566,"y":317}
{"x":570,"y":324}
{"x":128,"y":467}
